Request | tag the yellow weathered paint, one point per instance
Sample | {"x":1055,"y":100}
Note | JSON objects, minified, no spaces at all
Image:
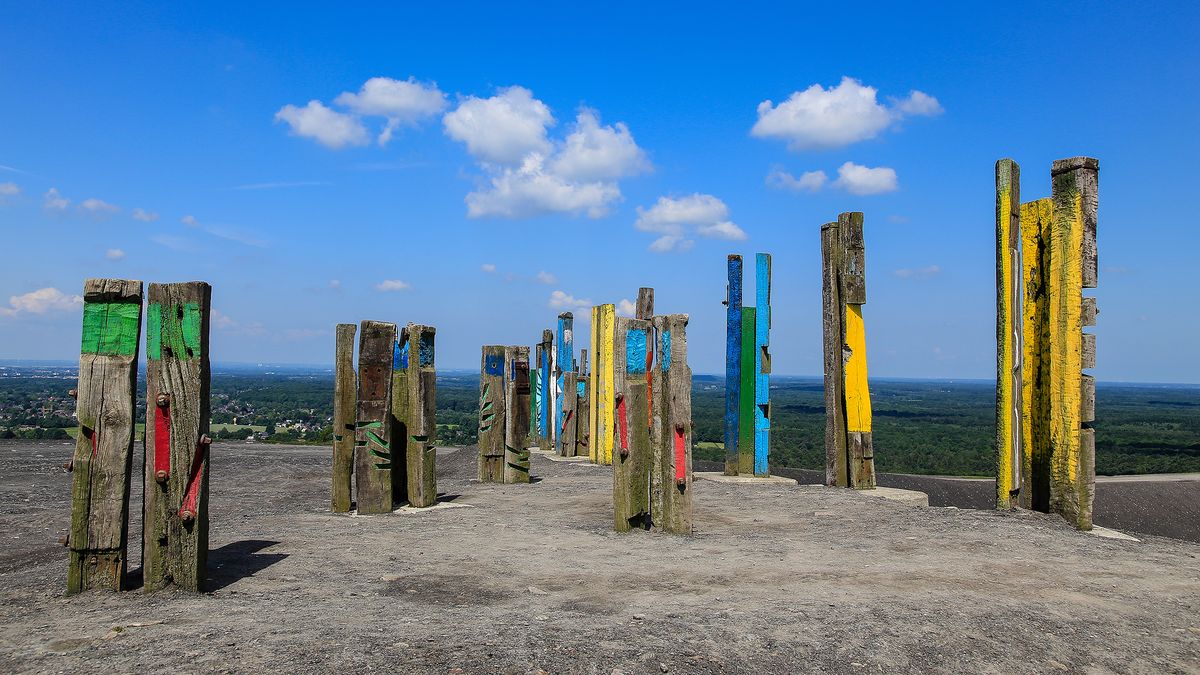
{"x":1035,"y":433}
{"x":1066,"y":293}
{"x":604,"y":438}
{"x":1005,"y":396}
{"x":593,"y":398}
{"x":858,"y":396}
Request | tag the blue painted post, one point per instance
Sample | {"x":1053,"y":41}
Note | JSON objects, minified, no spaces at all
{"x":545,"y":411}
{"x":733,"y":360}
{"x":564,"y":360}
{"x":762,"y":364}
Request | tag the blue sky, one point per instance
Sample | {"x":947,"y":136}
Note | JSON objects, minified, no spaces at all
{"x":508,"y":163}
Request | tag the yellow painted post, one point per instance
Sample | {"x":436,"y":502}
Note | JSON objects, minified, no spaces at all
{"x":1008,"y":333}
{"x":604,"y":428}
{"x":1035,"y":366}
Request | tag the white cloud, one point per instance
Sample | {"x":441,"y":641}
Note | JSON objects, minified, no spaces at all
{"x":222,"y":321}
{"x":530,"y":190}
{"x":918,"y":273}
{"x":98,"y":206}
{"x":144,"y":215}
{"x":861,"y":180}
{"x":114,"y":254}
{"x":392,"y":285}
{"x":593,"y":152}
{"x":54,"y":201}
{"x":504,"y":128}
{"x":545,"y":277}
{"x":328,"y":127}
{"x":809,"y":181}
{"x":9,"y":190}
{"x":41,"y":301}
{"x":561,"y":300}
{"x":335,"y":284}
{"x":675,"y":219}
{"x":174,"y":243}
{"x":400,"y":101}
{"x":488,"y":268}
{"x":190,"y":221}
{"x":818,"y":118}
{"x":626,"y":308}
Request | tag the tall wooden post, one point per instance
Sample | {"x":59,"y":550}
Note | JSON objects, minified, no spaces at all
{"x":746,"y":395}
{"x":644,"y":309}
{"x":1073,"y":268}
{"x":762,"y":365}
{"x":849,"y":450}
{"x":545,"y":386}
{"x":564,"y":362}
{"x":106,"y":396}
{"x":601,"y":391}
{"x":516,"y":414}
{"x":631,"y":437}
{"x":491,"y":414}
{"x":418,"y":410}
{"x":593,"y":369}
{"x":175,"y":531}
{"x":344,"y":393}
{"x":567,"y":432}
{"x":375,"y":454}
{"x":583,"y":408}
{"x":733,"y":362}
{"x":1008,"y":333}
{"x":1036,"y":217}
{"x":671,"y":431}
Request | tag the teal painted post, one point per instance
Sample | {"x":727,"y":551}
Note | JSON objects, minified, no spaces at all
{"x":565,"y":355}
{"x":762,"y":364}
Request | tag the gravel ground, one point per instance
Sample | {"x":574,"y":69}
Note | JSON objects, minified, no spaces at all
{"x":523,"y":578}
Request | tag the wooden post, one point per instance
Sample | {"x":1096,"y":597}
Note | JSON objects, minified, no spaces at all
{"x":583,"y":408}
{"x":592,"y":379}
{"x":1008,"y":333}
{"x":671,"y":433}
{"x":175,"y":531}
{"x":564,"y":362}
{"x":516,"y":414}
{"x":603,"y":405}
{"x":849,"y":449}
{"x":733,"y":361}
{"x":421,"y":415}
{"x":644,"y":309}
{"x":375,"y":455}
{"x":1036,"y":217}
{"x":106,"y":396}
{"x":746,"y":396}
{"x":545,"y":379}
{"x":762,"y":365}
{"x":567,"y":432}
{"x":344,"y":392}
{"x":631,"y":436}
{"x":491,"y":414}
{"x":1072,"y":268}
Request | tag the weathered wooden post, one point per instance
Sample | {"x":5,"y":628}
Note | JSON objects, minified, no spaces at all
{"x":746,"y":395}
{"x":733,"y":362}
{"x":564,"y":363}
{"x":1073,"y":267}
{"x":1008,"y":333}
{"x":516,"y":414}
{"x":601,"y":384}
{"x":414,"y":392}
{"x":567,"y":437}
{"x":644,"y":309}
{"x":374,"y":451}
{"x":491,"y":414}
{"x":849,"y":450}
{"x":1036,"y":217}
{"x":344,"y":393}
{"x":105,"y":400}
{"x":762,"y":365}
{"x":175,"y":531}
{"x":671,"y":431}
{"x":583,"y":409}
{"x":631,"y":437}
{"x":546,"y":393}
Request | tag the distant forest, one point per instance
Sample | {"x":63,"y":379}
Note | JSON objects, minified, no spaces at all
{"x":926,"y":427}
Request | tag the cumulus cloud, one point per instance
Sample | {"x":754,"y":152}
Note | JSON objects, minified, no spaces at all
{"x":41,"y":301}
{"x":819,"y":118}
{"x":144,"y":215}
{"x":328,"y":127}
{"x":530,"y":190}
{"x":400,"y":101}
{"x":563,"y":300}
{"x":917,"y":273}
{"x":489,"y":268}
{"x":626,"y":308}
{"x":190,"y":221}
{"x":54,"y":201}
{"x":98,"y":206}
{"x":335,"y":284}
{"x":547,"y":278}
{"x":594,"y":152}
{"x":502,"y":129}
{"x":392,"y":285}
{"x":809,"y":181}
{"x":114,"y":254}
{"x":9,"y":190}
{"x":676,"y":220}
{"x":861,"y":180}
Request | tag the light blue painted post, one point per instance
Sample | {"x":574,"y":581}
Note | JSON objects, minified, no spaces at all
{"x":564,"y":361}
{"x":733,"y":361}
{"x":544,"y":414}
{"x":762,"y":364}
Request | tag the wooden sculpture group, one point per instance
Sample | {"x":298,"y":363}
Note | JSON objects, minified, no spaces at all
{"x":628,"y":404}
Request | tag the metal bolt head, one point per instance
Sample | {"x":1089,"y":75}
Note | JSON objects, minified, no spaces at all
{"x":205,"y":440}
{"x":187,"y":516}
{"x":160,"y":475}
{"x":163,"y":400}
{"x":73,"y":393}
{"x":69,"y":466}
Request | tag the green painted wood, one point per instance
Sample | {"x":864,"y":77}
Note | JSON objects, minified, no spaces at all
{"x":746,"y":396}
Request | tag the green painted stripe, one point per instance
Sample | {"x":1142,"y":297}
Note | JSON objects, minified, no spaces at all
{"x":383,"y":465}
{"x":488,"y":417}
{"x":154,"y":331}
{"x":522,"y":469}
{"x":381,"y":455}
{"x":370,"y":425}
{"x":487,"y":428}
{"x":379,"y":441}
{"x":174,"y":329}
{"x":110,"y":328}
{"x":420,"y":439}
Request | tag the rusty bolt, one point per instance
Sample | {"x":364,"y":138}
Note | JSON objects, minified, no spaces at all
{"x":73,"y":393}
{"x":160,"y":475}
{"x":187,"y":516}
{"x":65,"y":540}
{"x":205,"y":440}
{"x":69,"y":466}
{"x":163,"y":400}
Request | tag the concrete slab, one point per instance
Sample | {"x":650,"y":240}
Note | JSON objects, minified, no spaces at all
{"x":909,"y":497}
{"x":718,"y":477}
{"x":1106,"y":533}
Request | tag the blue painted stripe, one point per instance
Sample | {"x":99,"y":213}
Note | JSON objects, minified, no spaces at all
{"x":666,"y":350}
{"x":635,"y":351}
{"x":493,"y":364}
{"x":425,"y":350}
{"x":762,"y":380}
{"x":581,"y":387}
{"x":733,"y":357}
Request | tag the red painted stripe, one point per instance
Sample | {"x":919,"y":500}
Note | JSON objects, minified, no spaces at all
{"x":566,"y":419}
{"x":623,"y":422}
{"x":162,"y":438}
{"x":680,"y":456}
{"x":91,"y":434}
{"x":193,"y":488}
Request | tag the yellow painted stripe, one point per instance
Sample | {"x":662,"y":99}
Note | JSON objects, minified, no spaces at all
{"x":858,"y":396}
{"x":1006,"y":418}
{"x":608,"y":317}
{"x":1035,"y":236}
{"x":1066,"y":293}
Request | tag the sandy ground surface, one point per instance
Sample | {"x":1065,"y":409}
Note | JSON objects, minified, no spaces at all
{"x":523,"y":578}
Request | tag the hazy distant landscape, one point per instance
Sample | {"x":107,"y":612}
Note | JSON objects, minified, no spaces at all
{"x":925,"y":427}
